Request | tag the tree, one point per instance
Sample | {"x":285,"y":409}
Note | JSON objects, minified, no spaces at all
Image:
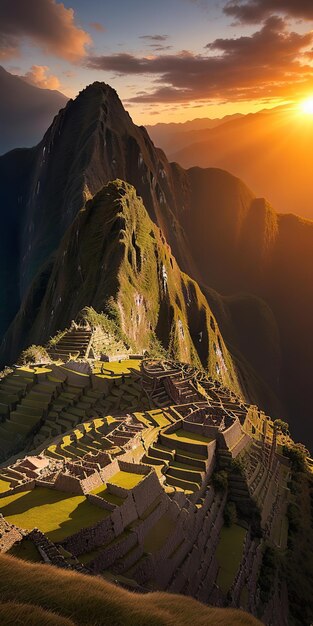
{"x":282,"y":426}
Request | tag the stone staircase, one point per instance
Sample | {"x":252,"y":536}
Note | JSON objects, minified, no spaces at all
{"x":74,"y":343}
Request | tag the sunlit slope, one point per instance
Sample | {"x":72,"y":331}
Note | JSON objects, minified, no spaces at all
{"x":271,"y":151}
{"x":220,"y":234}
{"x":115,"y":259}
{"x":60,"y":598}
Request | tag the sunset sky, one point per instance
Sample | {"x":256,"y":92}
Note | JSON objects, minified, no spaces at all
{"x":169,"y":60}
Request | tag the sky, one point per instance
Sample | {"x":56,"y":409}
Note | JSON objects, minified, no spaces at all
{"x":169,"y":60}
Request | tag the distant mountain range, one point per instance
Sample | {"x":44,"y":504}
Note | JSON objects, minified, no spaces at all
{"x":272,"y":151}
{"x":181,"y":134}
{"x":62,"y":249}
{"x":25,"y":111}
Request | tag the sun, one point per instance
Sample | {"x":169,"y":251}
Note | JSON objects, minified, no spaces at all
{"x":306,"y":106}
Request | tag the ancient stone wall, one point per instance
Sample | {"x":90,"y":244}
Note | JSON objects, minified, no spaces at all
{"x":228,"y":438}
{"x":146,"y":492}
{"x":25,"y":486}
{"x":69,"y":483}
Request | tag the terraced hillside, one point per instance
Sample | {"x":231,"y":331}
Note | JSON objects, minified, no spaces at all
{"x":150,"y":474}
{"x":113,"y":258}
{"x":219,"y":232}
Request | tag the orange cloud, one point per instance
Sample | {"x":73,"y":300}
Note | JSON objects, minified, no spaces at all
{"x":39,"y":75}
{"x":47,"y":24}
{"x":270,"y":63}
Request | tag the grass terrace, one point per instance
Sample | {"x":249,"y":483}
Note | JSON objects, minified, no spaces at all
{"x":41,"y":369}
{"x":127,"y":480}
{"x":229,"y":554}
{"x":188,"y":437}
{"x":159,"y":418}
{"x":115,"y":369}
{"x":55,"y":513}
{"x":104,"y":493}
{"x":4,"y":485}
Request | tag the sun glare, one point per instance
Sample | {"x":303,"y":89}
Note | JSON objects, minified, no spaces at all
{"x":306,"y":106}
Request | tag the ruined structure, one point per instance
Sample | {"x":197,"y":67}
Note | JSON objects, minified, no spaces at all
{"x":162,"y":475}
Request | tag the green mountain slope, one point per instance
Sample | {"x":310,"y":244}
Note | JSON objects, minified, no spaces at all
{"x":220,"y":234}
{"x":115,"y":259}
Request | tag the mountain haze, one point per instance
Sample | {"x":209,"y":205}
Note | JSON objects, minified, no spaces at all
{"x":25,"y":111}
{"x":220,"y":234}
{"x":182,"y":134}
{"x":264,"y":149}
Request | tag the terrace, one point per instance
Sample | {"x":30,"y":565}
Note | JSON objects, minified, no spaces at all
{"x":55,"y":513}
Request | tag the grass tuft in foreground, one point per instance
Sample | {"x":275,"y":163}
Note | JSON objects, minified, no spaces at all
{"x":62,"y":598}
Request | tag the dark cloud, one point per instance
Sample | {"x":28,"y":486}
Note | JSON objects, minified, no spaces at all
{"x":46,"y":23}
{"x":155,"y":38}
{"x":270,"y":63}
{"x":252,"y":11}
{"x":158,"y":48}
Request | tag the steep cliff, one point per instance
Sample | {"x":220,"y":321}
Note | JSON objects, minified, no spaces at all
{"x":220,"y":234}
{"x":114,"y":258}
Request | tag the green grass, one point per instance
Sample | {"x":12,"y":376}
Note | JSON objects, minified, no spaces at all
{"x":158,"y":417}
{"x":104,"y":493}
{"x":229,"y":554}
{"x":55,"y":513}
{"x":104,"y":369}
{"x":188,"y":437}
{"x":128,"y":480}
{"x":4,"y":485}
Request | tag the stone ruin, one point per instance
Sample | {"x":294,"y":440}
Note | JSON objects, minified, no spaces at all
{"x":163,"y":532}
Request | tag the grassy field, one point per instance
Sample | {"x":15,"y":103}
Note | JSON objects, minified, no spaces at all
{"x":229,"y":553}
{"x":35,"y":594}
{"x":104,"y":493}
{"x":37,"y":370}
{"x":4,"y":485}
{"x":128,"y":480}
{"x":110,"y":369}
{"x":184,"y":435}
{"x":159,"y":418}
{"x":55,"y":513}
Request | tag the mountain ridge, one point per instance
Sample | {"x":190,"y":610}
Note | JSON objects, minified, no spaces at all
{"x":219,"y":232}
{"x":262,"y":149}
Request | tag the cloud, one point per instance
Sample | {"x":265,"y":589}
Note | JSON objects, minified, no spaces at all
{"x":46,"y":23}
{"x":97,"y":26}
{"x":157,"y":48}
{"x":271,"y":63}
{"x":154,"y":38}
{"x":39,"y":75}
{"x":157,"y":42}
{"x":252,"y":11}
